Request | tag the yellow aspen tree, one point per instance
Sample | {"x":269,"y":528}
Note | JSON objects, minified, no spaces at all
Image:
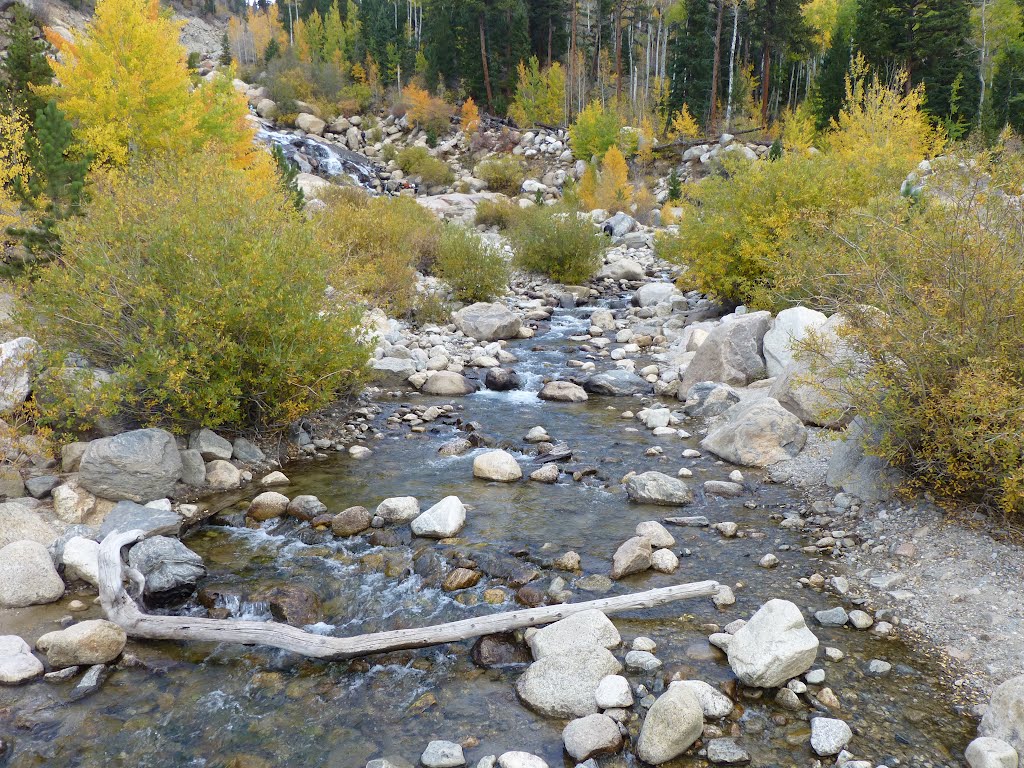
{"x":614,"y":190}
{"x":124,"y":82}
{"x":469,"y":120}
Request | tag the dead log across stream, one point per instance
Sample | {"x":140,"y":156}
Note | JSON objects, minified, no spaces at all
{"x":122,"y":610}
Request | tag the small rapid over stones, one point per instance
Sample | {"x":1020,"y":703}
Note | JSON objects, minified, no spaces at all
{"x":311,"y":154}
{"x":522,"y":542}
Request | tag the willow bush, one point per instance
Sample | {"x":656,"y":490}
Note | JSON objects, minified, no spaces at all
{"x":563,"y":246}
{"x":202,"y":290}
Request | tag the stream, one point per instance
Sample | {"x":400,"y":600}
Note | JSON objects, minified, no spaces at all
{"x":209,"y":706}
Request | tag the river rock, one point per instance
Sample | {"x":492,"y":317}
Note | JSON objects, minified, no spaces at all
{"x":655,"y":293}
{"x":399,"y":509}
{"x":442,"y":520}
{"x":664,"y":561}
{"x":790,"y":327}
{"x":633,"y":556}
{"x":617,"y":383}
{"x":563,"y":392}
{"x":487,"y":322}
{"x":591,"y":736}
{"x":520,"y":760}
{"x":449,"y":384}
{"x":773,"y":647}
{"x":89,"y":642}
{"x":983,"y":752}
{"x":267,"y":506}
{"x":17,"y":664}
{"x":247,"y":452}
{"x":27,"y":575}
{"x":622,"y":269}
{"x":709,"y":398}
{"x":294,"y":604}
{"x":16,"y":371}
{"x":672,"y":725}
{"x":392,"y":370}
{"x":1004,"y":718}
{"x":140,"y":466}
{"x":497,"y":465}
{"x":656,"y":533}
{"x":727,"y":752}
{"x":829,"y":736}
{"x":658,"y":488}
{"x":563,"y":684}
{"x":171,"y":569}
{"x":222,"y":475}
{"x":713,"y":703}
{"x":81,"y":560}
{"x":757,"y":434}
{"x":210,"y":445}
{"x":832,"y":617}
{"x":442,"y":754}
{"x":310,"y":124}
{"x":546,"y":474}
{"x":306,"y":507}
{"x":855,"y":471}
{"x":351,"y":521}
{"x":731,"y":354}
{"x":579,"y":630}
{"x":502,"y":380}
{"x":19,"y":521}
{"x":129,"y":516}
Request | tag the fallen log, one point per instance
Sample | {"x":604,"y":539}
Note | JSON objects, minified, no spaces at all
{"x":121,"y":609}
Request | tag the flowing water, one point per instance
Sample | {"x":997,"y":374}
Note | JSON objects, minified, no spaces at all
{"x":203,"y":705}
{"x":330,"y":160}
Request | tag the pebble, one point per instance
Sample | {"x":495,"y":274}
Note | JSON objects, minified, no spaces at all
{"x":833,"y":617}
{"x":643,"y":644}
{"x":879,"y":667}
{"x":815,"y":677}
{"x":829,"y":736}
{"x":724,"y":597}
{"x":834,"y":654}
{"x":768,"y":561}
{"x":861,"y":619}
{"x":642,"y":661}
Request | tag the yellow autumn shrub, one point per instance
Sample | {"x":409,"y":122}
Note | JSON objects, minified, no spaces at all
{"x":203,"y":293}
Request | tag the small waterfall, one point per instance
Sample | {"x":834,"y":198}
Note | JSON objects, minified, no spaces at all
{"x":310,"y":153}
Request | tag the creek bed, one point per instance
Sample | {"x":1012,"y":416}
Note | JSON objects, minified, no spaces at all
{"x":203,"y":705}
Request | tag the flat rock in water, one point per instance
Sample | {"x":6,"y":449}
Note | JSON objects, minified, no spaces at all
{"x":658,"y":488}
{"x":563,"y":392}
{"x":96,"y":641}
{"x":442,"y":754}
{"x":563,"y":684}
{"x":399,"y":509}
{"x":17,"y":664}
{"x":90,"y":682}
{"x":449,"y":383}
{"x":520,"y":760}
{"x":617,"y":383}
{"x":727,"y":752}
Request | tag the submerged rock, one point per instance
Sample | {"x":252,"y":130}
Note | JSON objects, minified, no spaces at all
{"x":617,"y":383}
{"x":563,"y":392}
{"x":658,"y":488}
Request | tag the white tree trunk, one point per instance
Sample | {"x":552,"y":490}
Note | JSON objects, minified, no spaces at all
{"x":732,"y":61}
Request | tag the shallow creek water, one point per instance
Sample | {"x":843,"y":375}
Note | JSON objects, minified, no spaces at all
{"x":202,"y":705}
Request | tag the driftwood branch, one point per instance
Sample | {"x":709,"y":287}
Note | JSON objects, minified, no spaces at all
{"x":687,"y":143}
{"x":122,"y":609}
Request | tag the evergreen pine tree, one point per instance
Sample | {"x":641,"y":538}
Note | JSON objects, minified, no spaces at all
{"x":691,"y":49}
{"x":56,"y":178}
{"x":675,"y":189}
{"x":289,"y":174}
{"x":26,"y":64}
{"x":830,"y":86}
{"x":225,"y":50}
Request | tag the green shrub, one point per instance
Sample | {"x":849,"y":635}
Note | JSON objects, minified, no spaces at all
{"x":496,"y":213}
{"x":376,"y":246}
{"x":388,"y":152}
{"x":202,"y":290}
{"x":934,"y":293}
{"x":563,"y":246}
{"x":595,"y":130}
{"x":417,"y":161}
{"x":475,"y":270}
{"x":502,"y":174}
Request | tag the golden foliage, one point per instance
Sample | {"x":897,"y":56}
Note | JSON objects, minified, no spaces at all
{"x":609,"y":188}
{"x":427,"y":112}
{"x":540,"y":94}
{"x":595,"y":130}
{"x":469,"y":117}
{"x":683,"y":125}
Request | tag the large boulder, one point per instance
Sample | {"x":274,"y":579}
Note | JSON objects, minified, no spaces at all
{"x":808,"y":386}
{"x":139,"y":466}
{"x":19,"y":522}
{"x":170,"y":568}
{"x":731,"y":354}
{"x":16,"y":371}
{"x":658,"y":488}
{"x":619,"y":225}
{"x":487,"y":322}
{"x":152,"y":521}
{"x":1004,"y":718}
{"x":580,"y":630}
{"x":790,"y":327}
{"x":708,"y":398}
{"x":497,"y":465}
{"x":210,"y":445}
{"x":617,"y":383}
{"x":563,"y":392}
{"x":757,"y":434}
{"x":673,"y":723}
{"x":986,"y":752}
{"x":622,"y":269}
{"x":855,"y":471}
{"x":773,"y":647}
{"x":89,"y":642}
{"x":81,"y":560}
{"x":449,"y":384}
{"x":393,"y":370}
{"x":27,"y":575}
{"x":399,"y":509}
{"x":563,"y":684}
{"x":442,"y":520}
{"x":310,"y":124}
